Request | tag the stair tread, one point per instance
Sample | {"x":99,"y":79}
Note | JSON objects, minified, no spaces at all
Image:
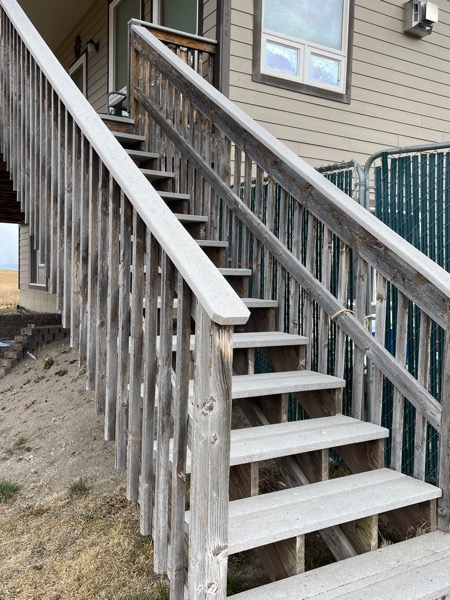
{"x":116,"y":119}
{"x":212,"y":243}
{"x":253,"y":444}
{"x":128,"y":137}
{"x":257,"y":339}
{"x":285,"y":382}
{"x":259,"y":303}
{"x":173,"y":195}
{"x":156,"y":174}
{"x":231,"y":272}
{"x":261,"y":520}
{"x":142,"y":155}
{"x":416,"y":569}
{"x":191,"y":218}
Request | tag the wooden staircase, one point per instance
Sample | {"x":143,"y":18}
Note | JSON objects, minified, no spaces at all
{"x":345,"y":510}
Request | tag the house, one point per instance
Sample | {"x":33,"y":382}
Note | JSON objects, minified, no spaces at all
{"x":185,"y":212}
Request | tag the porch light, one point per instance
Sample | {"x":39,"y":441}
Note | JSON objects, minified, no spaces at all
{"x":92,"y":46}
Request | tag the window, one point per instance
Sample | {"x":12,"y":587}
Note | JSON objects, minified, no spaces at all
{"x":304,"y":45}
{"x":120,"y":12}
{"x":175,"y":14}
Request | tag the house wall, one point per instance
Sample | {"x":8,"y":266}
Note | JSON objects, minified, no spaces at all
{"x":29,"y":297}
{"x":94,"y":25}
{"x":399,"y":95}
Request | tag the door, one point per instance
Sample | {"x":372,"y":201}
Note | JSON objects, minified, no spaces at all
{"x":120,"y":12}
{"x":177,"y":14}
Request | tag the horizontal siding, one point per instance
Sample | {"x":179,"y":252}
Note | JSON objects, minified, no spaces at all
{"x":210,"y":19}
{"x":400,"y":88}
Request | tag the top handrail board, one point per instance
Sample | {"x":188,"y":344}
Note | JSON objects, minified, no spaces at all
{"x":219,"y":300}
{"x":421,"y":279}
{"x":189,"y":40}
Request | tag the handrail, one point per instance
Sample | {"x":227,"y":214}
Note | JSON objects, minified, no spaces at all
{"x":424,"y":282}
{"x":217,"y":297}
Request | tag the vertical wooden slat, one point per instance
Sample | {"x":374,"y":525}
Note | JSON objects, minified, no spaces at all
{"x":136,"y":336}
{"x":84,"y":249}
{"x":54,"y":200}
{"x":164,"y":412}
{"x":258,"y":210}
{"x":208,"y":538}
{"x":94,"y":167}
{"x":67,"y":237}
{"x":147,"y":489}
{"x":399,"y":400}
{"x":61,"y":144}
{"x":358,"y":362}
{"x":180,"y":439}
{"x":112,"y":309}
{"x":324,"y":339}
{"x":75,"y":244}
{"x":423,"y":375}
{"x":444,"y":454}
{"x":126,"y":224}
{"x":102,"y":289}
{"x":236,"y":184}
{"x":308,"y":303}
{"x":339,"y":364}
{"x":380,"y":332}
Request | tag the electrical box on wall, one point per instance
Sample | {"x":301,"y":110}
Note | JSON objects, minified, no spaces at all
{"x":420,"y":17}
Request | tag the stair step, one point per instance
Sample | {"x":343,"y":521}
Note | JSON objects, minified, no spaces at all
{"x":286,"y":382}
{"x":259,"y":303}
{"x":416,"y":569}
{"x":116,"y":119}
{"x":140,"y":155}
{"x":155,"y":175}
{"x":191,"y":218}
{"x":260,"y":520}
{"x":230,"y":272}
{"x":128,"y":138}
{"x":173,"y":196}
{"x":254,"y":444}
{"x":259,"y":339}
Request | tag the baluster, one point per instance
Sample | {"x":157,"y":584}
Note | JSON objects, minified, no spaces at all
{"x":258,"y":210}
{"x":247,"y":199}
{"x":54,"y":198}
{"x":102,"y":289}
{"x":380,"y":332}
{"x":423,"y":376}
{"x":297,"y":236}
{"x":308,"y":303}
{"x":401,"y":338}
{"x":66,"y":258}
{"x":339,"y":364}
{"x":147,"y":489}
{"x":282,"y":278}
{"x":94,"y":167}
{"x":444,"y":453}
{"x":112,"y":309}
{"x":124,"y":333}
{"x":136,"y":339}
{"x":164,"y":414}
{"x":358,"y":361}
{"x":236,"y":185}
{"x":84,"y":249}
{"x":76,"y":211}
{"x":180,"y":440}
{"x":48,"y":182}
{"x":324,"y":338}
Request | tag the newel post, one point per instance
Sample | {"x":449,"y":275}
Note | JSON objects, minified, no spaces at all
{"x":444,"y":445}
{"x":208,"y":533}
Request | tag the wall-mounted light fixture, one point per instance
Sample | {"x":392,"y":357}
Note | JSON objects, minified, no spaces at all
{"x":420,"y":17}
{"x":92,"y":46}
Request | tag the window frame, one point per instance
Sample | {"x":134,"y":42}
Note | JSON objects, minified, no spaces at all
{"x":262,"y":75}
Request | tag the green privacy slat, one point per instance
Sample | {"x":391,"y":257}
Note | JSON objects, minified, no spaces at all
{"x":424,"y":203}
{"x":400,"y":225}
{"x":409,"y":223}
{"x":391,"y":209}
{"x":416,"y":201}
{"x":432,"y":206}
{"x":447,"y":211}
{"x":440,"y":240}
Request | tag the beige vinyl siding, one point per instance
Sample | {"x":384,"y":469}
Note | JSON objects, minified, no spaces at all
{"x":399,"y":96}
{"x":210,"y":19}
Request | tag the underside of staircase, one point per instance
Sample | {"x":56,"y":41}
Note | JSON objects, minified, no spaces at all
{"x":196,"y":363}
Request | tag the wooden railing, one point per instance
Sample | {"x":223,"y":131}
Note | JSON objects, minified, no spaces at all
{"x":96,"y":219}
{"x":298,"y":238}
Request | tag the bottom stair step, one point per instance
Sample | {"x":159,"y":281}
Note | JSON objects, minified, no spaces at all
{"x":261,"y":520}
{"x":417,"y":569}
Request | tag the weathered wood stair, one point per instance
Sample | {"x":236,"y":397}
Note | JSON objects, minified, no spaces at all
{"x":275,"y":523}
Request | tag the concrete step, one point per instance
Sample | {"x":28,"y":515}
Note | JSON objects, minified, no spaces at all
{"x":417,"y":569}
{"x":260,"y":520}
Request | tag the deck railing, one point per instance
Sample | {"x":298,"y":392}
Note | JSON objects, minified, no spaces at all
{"x":96,"y":219}
{"x":304,"y":259}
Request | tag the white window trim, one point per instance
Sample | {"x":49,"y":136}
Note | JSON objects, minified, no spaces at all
{"x":81,"y":62}
{"x":111,"y":61}
{"x":305,"y":49}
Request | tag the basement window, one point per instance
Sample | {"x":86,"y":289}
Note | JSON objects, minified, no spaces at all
{"x":304,"y":45}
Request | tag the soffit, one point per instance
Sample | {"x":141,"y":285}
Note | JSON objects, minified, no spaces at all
{"x":54,"y":19}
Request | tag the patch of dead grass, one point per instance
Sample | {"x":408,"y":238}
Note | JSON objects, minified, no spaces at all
{"x":9,"y":288}
{"x":88,"y":547}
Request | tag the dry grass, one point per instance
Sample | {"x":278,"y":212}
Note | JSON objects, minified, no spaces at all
{"x":9,"y":292}
{"x":87,"y":547}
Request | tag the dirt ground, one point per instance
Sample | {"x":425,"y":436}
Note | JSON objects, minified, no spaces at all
{"x":55,"y":545}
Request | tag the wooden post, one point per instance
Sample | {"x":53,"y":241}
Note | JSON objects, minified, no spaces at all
{"x":444,"y":450}
{"x":208,"y":533}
